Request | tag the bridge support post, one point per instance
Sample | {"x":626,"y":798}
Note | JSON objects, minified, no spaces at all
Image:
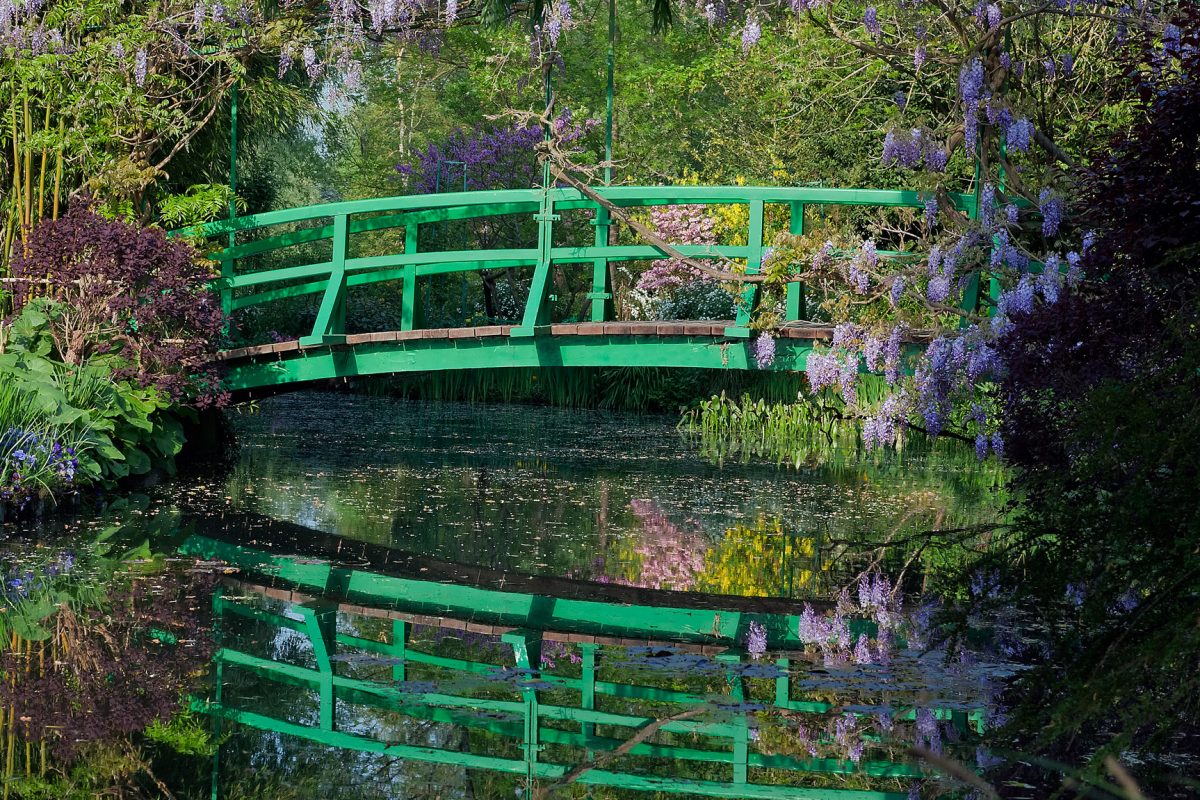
{"x":970,"y":301}
{"x":537,"y":306}
{"x":741,"y":737}
{"x":320,"y":623}
{"x":601,"y":294}
{"x":527,"y":652}
{"x":410,"y":301}
{"x":399,"y":649}
{"x":783,"y":693}
{"x":587,"y":699}
{"x":797,"y":307}
{"x":748,"y":300}
{"x":330,"y":327}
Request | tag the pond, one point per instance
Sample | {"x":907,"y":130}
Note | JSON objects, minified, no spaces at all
{"x":449,"y":600}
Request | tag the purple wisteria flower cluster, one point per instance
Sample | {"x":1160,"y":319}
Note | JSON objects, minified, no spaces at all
{"x":764,"y":350}
{"x":955,"y":364}
{"x":876,"y":601}
{"x":486,"y":158}
{"x":756,"y":640}
{"x":912,"y":149}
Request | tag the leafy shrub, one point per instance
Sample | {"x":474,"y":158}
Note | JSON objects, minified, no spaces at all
{"x":1102,"y":423}
{"x":110,"y":426}
{"x":127,"y":291}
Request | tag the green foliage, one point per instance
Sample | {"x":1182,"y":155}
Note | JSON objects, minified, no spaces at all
{"x":117,"y":427}
{"x":200,"y":203}
{"x":624,"y":388}
{"x":185,"y":734}
{"x":101,"y":767}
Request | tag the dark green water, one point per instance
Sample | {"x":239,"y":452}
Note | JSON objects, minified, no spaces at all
{"x":615,"y":502}
{"x":588,"y":494}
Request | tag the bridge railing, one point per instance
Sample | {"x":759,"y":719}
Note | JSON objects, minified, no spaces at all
{"x":341,"y":222}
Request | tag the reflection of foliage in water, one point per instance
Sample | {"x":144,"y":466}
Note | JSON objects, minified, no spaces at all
{"x":931,"y":485}
{"x":755,"y":560}
{"x":671,"y":556}
{"x":762,"y":560}
{"x":550,"y":491}
{"x":100,"y":641}
{"x":106,"y":673}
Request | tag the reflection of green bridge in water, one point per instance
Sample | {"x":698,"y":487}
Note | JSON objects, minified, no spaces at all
{"x":538,"y":339}
{"x":551,"y":735}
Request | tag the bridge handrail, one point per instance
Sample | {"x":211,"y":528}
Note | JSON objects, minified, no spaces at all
{"x":625,"y":196}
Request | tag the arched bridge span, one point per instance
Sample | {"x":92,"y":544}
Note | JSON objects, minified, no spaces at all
{"x":329,"y":250}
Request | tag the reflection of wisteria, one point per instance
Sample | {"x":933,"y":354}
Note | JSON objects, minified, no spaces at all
{"x":899,"y":689}
{"x":552,"y":651}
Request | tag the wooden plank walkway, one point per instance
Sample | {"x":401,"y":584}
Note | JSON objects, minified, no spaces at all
{"x":713,"y":328}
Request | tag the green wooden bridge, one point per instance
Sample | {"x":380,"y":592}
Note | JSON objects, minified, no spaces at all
{"x":536,"y":722}
{"x":269,"y":257}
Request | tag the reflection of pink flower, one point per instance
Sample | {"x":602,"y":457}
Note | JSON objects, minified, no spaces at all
{"x":671,"y":558}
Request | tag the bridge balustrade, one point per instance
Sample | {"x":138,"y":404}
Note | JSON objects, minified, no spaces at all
{"x":352,"y":222}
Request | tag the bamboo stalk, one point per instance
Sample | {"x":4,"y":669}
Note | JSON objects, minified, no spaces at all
{"x":12,"y":743}
{"x":28,"y":164}
{"x":42,"y":668}
{"x":42,"y":171}
{"x":17,"y":175}
{"x":58,"y":168}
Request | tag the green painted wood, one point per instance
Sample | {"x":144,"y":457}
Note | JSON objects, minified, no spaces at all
{"x":332,"y":278}
{"x":970,"y":301}
{"x":642,"y":252}
{"x":537,"y":304}
{"x":297,"y":675}
{"x":796,"y":307}
{"x":442,"y":708}
{"x":410,"y":301}
{"x":316,"y":287}
{"x":321,"y":626}
{"x":628,"y":196}
{"x":602,"y":290}
{"x":398,"y":648}
{"x":330,"y":325}
{"x":527,"y":648}
{"x":583,"y":685}
{"x":426,"y":355}
{"x":587,"y":689}
{"x":318,"y":621}
{"x":378,"y":223}
{"x":748,"y":300}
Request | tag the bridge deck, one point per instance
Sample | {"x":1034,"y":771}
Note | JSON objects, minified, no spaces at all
{"x":688,"y":328}
{"x":271,"y":368}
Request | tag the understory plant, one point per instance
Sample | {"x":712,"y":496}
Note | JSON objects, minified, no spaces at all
{"x":110,"y":343}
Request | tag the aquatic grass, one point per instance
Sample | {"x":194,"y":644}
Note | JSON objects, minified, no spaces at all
{"x":622,"y":388}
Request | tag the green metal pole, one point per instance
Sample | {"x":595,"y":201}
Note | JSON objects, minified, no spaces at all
{"x":228,"y":266}
{"x":219,"y":680}
{"x":608,"y":126}
{"x":233,"y":150}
